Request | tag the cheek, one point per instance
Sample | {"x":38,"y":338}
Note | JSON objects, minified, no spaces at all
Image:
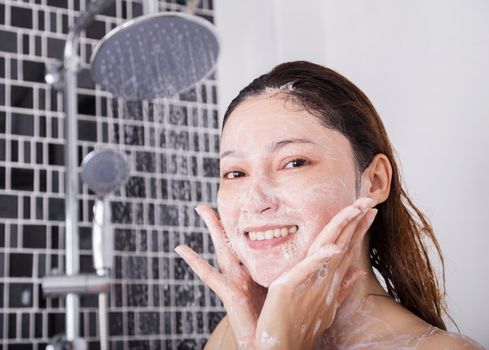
{"x":228,"y":211}
{"x":315,"y":205}
{"x":317,"y":196}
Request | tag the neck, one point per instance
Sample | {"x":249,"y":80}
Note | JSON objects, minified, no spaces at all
{"x":358,"y":316}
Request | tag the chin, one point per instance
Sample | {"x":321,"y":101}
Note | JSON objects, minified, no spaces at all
{"x":265,"y":279}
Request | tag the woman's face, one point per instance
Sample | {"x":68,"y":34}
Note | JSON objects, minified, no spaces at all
{"x":283,"y":177}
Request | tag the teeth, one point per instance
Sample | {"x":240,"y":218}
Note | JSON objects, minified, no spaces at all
{"x":276,"y":233}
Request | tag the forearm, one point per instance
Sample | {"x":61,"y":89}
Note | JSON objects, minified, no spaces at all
{"x":222,"y":338}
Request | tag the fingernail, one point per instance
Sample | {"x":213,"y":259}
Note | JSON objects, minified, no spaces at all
{"x":365,"y":203}
{"x":371,"y":215}
{"x":197,"y":209}
{"x":180,"y":250}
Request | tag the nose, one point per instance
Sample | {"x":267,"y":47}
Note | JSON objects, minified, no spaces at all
{"x":260,"y":198}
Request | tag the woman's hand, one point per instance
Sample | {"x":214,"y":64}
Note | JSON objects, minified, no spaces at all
{"x":242,"y":297}
{"x":301,"y":304}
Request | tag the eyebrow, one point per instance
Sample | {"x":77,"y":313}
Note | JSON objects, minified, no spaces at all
{"x":272,"y":148}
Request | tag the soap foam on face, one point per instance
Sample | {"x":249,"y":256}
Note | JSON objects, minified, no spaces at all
{"x":270,"y":191}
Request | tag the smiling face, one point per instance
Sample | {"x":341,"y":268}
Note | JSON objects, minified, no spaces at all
{"x":283,"y":177}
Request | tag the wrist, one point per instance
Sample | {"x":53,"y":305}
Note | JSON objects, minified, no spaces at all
{"x":266,"y":341}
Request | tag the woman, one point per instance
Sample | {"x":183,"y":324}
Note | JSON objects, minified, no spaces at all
{"x":310,"y":200}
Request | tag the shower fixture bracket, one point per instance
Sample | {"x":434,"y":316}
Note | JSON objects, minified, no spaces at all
{"x":54,"y":75}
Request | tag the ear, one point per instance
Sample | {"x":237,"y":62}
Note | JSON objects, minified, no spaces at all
{"x":376,"y":179}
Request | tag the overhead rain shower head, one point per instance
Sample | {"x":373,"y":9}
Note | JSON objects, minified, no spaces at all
{"x":157,"y":55}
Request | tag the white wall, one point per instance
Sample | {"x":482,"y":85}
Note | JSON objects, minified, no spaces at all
{"x":425,"y":66}
{"x":256,"y":35}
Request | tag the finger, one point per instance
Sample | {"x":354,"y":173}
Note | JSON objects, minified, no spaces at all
{"x":241,"y":318}
{"x":352,"y":250}
{"x":358,"y":229}
{"x":311,"y":264}
{"x":347,"y":285}
{"x":362,"y":229}
{"x":345,"y":237}
{"x":364,"y":203}
{"x":352,"y":232}
{"x":341,"y":220}
{"x":332,"y":230}
{"x":207,"y":273}
{"x":225,"y":258}
{"x":356,"y":243}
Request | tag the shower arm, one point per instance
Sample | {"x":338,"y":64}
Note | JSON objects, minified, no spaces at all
{"x":70,"y":68}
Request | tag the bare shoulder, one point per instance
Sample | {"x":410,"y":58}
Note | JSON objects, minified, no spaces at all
{"x":222,"y":337}
{"x":442,"y":340}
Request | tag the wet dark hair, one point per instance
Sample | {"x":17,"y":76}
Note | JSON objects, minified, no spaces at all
{"x":397,"y":247}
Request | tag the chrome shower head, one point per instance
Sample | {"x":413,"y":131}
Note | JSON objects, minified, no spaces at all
{"x":157,"y":55}
{"x":104,"y":171}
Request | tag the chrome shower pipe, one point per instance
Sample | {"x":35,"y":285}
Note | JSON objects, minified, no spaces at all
{"x":150,"y":6}
{"x":70,"y":70}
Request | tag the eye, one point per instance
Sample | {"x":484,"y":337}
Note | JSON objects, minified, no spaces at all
{"x":233,"y":174}
{"x":295,"y":163}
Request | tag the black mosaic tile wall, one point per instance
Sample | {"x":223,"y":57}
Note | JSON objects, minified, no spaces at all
{"x":155,"y":301}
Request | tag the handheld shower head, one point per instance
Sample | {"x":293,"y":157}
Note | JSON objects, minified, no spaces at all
{"x":104,"y":171}
{"x":157,"y":55}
